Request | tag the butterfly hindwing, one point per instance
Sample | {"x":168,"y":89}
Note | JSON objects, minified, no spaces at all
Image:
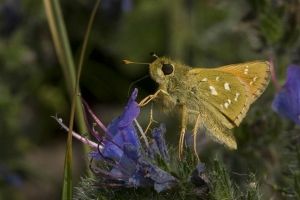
{"x":215,"y":125}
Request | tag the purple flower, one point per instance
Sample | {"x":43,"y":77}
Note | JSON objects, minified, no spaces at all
{"x":287,"y":101}
{"x":121,"y":130}
{"x":120,"y":160}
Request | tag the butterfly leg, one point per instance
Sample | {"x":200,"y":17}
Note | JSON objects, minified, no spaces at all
{"x":195,"y":131}
{"x":149,"y":98}
{"x":184,"y":117}
{"x":143,"y":134}
{"x":151,"y":120}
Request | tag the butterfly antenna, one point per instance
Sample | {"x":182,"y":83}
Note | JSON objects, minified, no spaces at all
{"x":134,"y":82}
{"x":127,"y":62}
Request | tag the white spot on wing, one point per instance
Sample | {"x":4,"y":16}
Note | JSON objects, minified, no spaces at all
{"x":204,"y":79}
{"x":253,"y":80}
{"x":236,"y":96}
{"x":226,"y":105}
{"x":246,"y":70}
{"x":213,"y":90}
{"x":229,"y":101}
{"x":226,"y":86}
{"x":217,"y":78}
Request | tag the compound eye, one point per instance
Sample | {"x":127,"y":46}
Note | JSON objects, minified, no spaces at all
{"x":167,"y":69}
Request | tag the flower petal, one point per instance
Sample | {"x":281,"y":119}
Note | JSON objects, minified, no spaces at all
{"x":132,"y":110}
{"x":161,"y":179}
{"x":121,"y":130}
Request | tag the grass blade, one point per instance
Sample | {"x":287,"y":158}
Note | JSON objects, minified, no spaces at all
{"x":65,"y":57}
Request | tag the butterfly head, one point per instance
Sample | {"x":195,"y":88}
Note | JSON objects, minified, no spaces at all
{"x":162,"y":69}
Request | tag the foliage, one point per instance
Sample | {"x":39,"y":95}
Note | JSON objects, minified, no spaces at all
{"x":221,"y":186}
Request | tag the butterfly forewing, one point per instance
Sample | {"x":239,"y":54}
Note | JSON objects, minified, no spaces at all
{"x":255,"y":75}
{"x":225,"y":92}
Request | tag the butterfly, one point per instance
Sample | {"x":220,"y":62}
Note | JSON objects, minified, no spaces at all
{"x":215,"y":98}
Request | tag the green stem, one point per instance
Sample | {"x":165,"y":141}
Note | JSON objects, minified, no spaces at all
{"x":63,"y":50}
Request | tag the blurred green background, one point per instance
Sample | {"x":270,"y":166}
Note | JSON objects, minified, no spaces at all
{"x":198,"y":33}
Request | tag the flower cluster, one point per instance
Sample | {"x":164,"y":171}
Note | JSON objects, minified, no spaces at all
{"x":129,"y":163}
{"x":119,"y":159}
